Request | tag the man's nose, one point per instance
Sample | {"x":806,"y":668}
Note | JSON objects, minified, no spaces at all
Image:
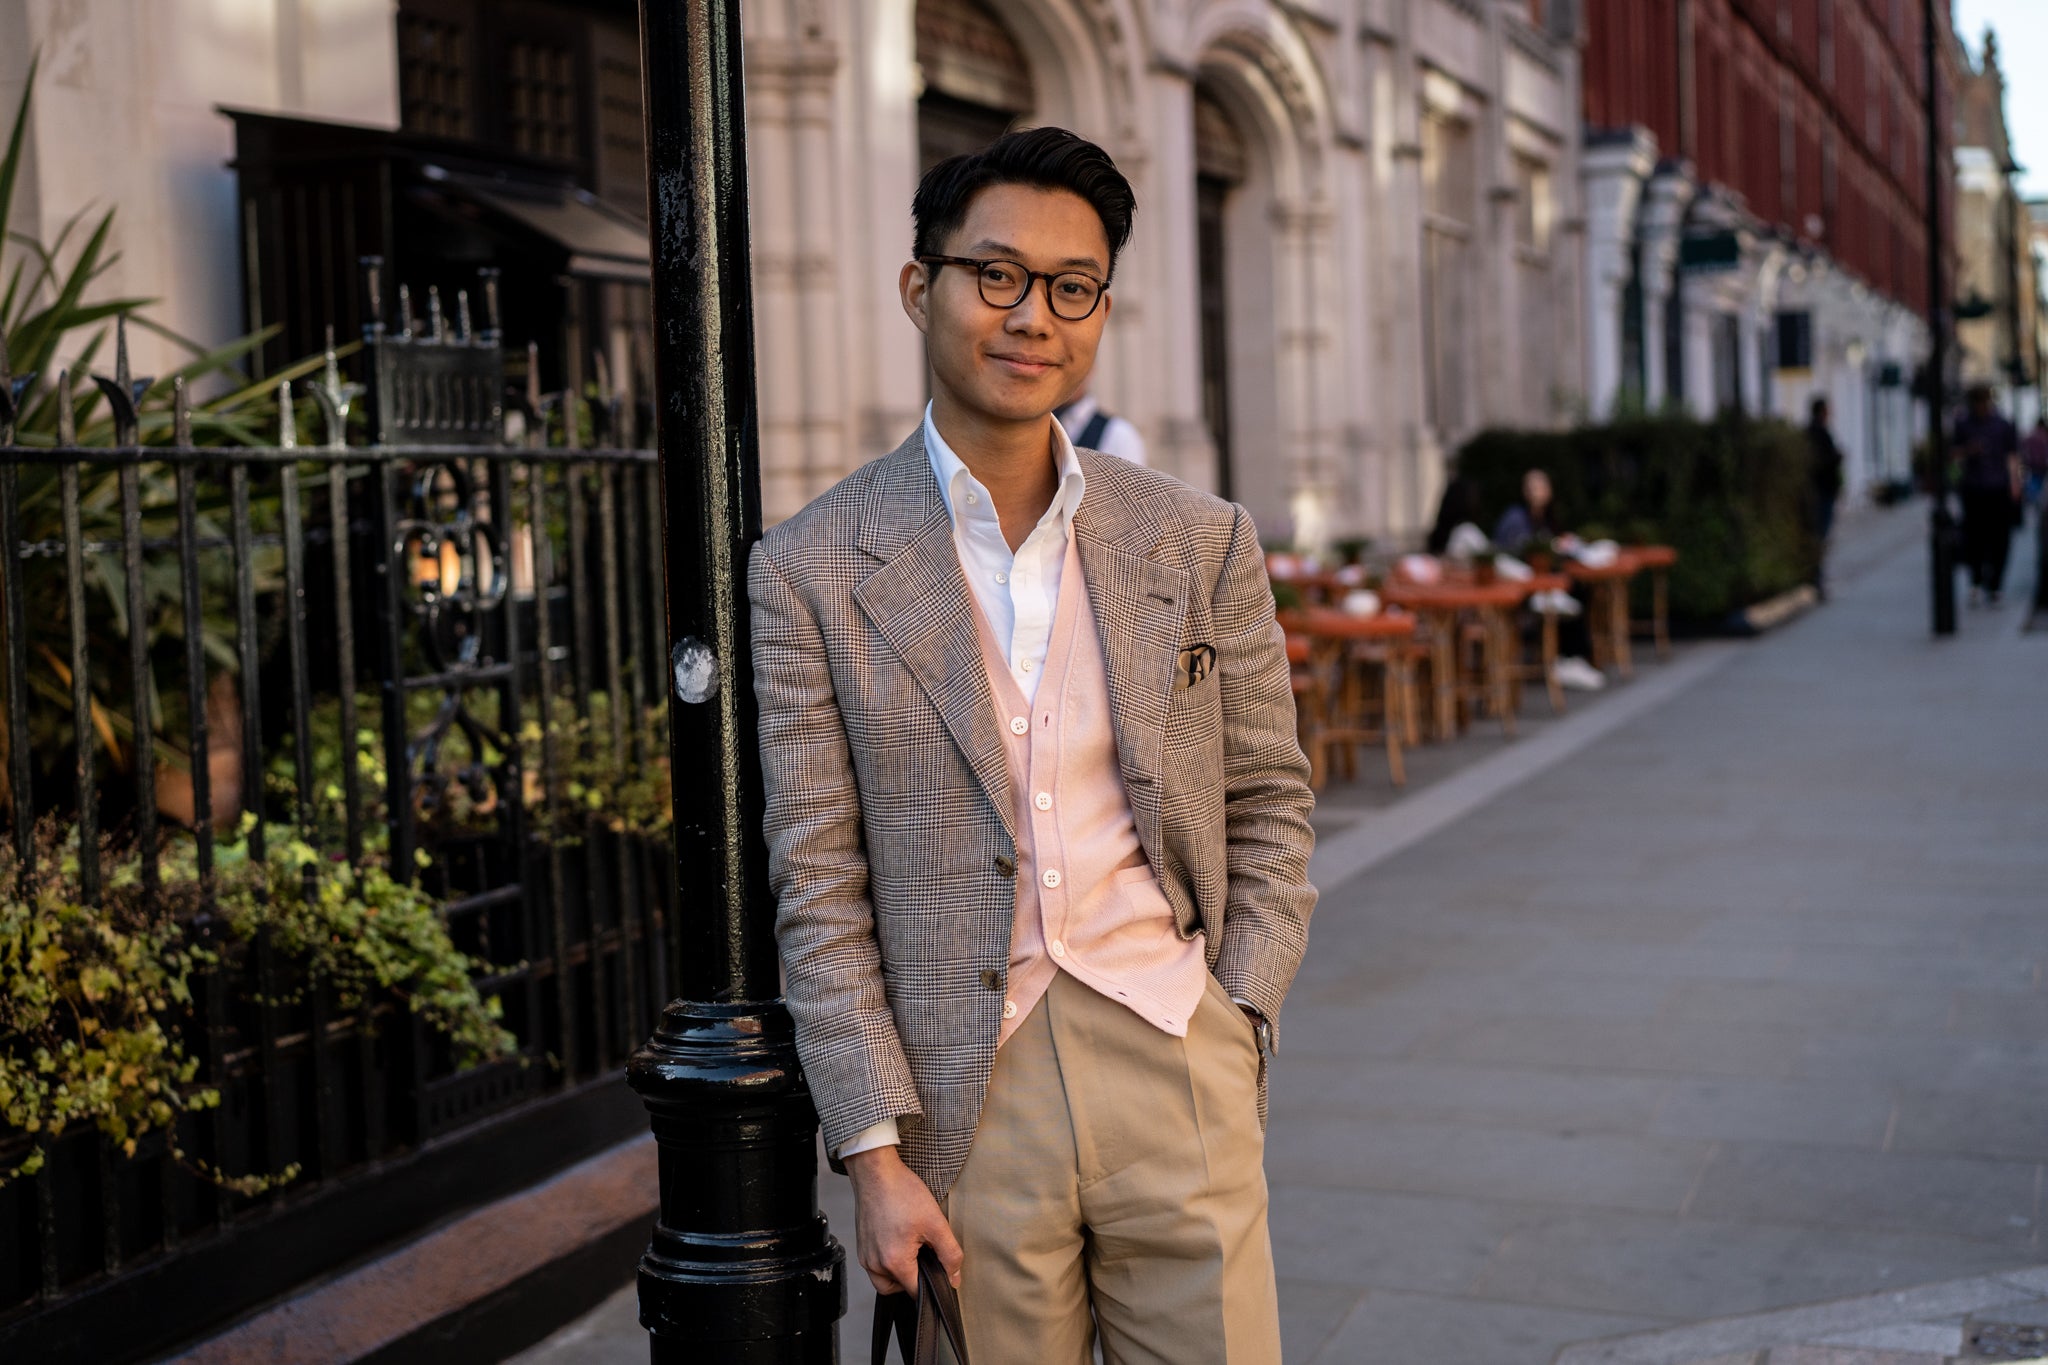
{"x":1033,"y":314}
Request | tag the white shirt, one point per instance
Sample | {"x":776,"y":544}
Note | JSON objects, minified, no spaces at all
{"x":1016,"y":592}
{"x":1119,"y":437}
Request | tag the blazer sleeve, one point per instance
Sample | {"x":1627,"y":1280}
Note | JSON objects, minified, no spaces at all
{"x":1266,"y":795}
{"x":817,"y":865}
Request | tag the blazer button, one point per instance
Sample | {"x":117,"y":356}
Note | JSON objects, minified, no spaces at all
{"x":1006,"y":865}
{"x":992,"y":978}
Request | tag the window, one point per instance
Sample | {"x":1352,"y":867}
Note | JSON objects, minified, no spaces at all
{"x":433,"y":75}
{"x":1449,"y":194}
{"x":1533,"y":208}
{"x":1795,"y":340}
{"x":540,"y":99}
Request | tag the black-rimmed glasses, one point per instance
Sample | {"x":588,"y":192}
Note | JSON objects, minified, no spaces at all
{"x":1073,"y":295}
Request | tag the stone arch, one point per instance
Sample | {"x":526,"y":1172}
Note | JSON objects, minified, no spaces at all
{"x":1278,"y":258}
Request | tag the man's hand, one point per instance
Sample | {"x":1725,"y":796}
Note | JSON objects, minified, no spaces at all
{"x":894,"y":1215}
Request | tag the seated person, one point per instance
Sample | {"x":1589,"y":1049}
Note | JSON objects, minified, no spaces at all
{"x":1534,"y":519}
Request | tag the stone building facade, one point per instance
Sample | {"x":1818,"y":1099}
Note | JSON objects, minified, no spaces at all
{"x":1997,"y":291}
{"x":1358,"y":240}
{"x":1356,"y":243}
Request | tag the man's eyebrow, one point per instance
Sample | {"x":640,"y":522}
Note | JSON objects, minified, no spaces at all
{"x":989,"y":246}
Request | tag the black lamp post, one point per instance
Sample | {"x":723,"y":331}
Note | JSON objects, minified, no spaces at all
{"x":742,"y":1269}
{"x":1941,"y":528}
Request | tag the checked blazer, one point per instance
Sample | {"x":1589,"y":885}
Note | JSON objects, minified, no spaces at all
{"x":891,"y":852}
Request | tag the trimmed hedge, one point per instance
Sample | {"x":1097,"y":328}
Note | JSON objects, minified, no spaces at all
{"x":1730,"y":495}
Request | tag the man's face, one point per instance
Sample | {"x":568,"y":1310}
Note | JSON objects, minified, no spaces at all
{"x":1015,"y":364}
{"x":1536,"y":490}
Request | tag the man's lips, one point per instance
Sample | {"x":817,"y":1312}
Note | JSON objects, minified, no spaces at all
{"x":1023,"y":365}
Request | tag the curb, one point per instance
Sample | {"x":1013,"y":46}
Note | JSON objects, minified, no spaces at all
{"x":477,"y":1289}
{"x":1869,"y":1330}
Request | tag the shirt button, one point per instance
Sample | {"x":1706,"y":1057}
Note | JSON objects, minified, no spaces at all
{"x":1059,"y":949}
{"x":1002,"y":578}
{"x":1009,"y":1009}
{"x":1025,"y":666}
{"x":1052,"y":876}
{"x":1019,"y":726}
{"x":1043,"y":800}
{"x":973,"y":497}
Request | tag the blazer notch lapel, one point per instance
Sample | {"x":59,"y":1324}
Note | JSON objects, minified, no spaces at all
{"x":917,"y":600}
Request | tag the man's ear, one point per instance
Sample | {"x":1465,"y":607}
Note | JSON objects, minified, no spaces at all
{"x":914,"y":284}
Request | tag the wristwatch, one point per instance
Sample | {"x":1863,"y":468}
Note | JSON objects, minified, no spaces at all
{"x":1262,"y":1028}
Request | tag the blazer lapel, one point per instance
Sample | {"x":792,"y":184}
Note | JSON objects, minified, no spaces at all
{"x":1139,"y":605}
{"x":918,"y":602}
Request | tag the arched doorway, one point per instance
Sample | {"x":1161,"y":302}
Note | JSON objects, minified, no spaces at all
{"x":1221,"y":163}
{"x":977,"y":82}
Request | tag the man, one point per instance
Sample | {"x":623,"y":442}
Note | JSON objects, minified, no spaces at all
{"x":1823,"y":485}
{"x":1037,"y":820}
{"x":1987,"y":448}
{"x":1092,"y":427}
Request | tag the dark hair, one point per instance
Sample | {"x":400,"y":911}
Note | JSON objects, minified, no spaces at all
{"x":1817,"y":409}
{"x":1047,"y":158}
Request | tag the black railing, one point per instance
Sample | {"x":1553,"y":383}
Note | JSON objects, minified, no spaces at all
{"x":197,"y":640}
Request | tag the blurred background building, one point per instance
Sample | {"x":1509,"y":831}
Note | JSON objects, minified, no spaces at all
{"x":1756,"y":179}
{"x":1367,"y":228}
{"x":1998,"y":306}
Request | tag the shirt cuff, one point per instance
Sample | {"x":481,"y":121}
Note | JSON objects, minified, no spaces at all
{"x":883,"y":1134}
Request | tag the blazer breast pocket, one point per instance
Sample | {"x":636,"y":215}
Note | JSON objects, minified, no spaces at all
{"x":1193,"y":666}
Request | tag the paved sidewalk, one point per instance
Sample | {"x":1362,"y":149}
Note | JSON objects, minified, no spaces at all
{"x":1739,"y":1007}
{"x":1722,"y":994}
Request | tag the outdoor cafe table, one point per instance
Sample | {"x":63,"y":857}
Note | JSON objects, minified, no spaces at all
{"x":1493,"y":606}
{"x":1350,"y":641}
{"x":1324,"y":585}
{"x":1607,"y":587}
{"x":1658,"y":559}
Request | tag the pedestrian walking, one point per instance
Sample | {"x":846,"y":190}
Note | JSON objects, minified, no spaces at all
{"x":1823,"y":486}
{"x":1036,"y":815}
{"x":2034,"y":458}
{"x":1093,"y":427}
{"x":1987,"y":449}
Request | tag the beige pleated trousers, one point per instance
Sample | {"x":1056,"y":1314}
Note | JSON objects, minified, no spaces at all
{"x":1117,"y":1184}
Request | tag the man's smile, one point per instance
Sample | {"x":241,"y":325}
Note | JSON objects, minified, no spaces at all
{"x":1025,"y":365}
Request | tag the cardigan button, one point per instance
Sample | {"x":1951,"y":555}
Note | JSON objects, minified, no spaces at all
{"x":1006,"y":865}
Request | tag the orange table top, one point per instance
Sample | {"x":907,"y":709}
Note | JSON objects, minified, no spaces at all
{"x":1631,"y":560}
{"x":1653,"y":556}
{"x":1343,"y":625}
{"x":1498,"y":595}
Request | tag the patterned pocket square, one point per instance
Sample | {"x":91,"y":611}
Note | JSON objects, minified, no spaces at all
{"x":1196,"y":662}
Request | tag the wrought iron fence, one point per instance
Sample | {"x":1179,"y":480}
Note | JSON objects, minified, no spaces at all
{"x":435,"y":642}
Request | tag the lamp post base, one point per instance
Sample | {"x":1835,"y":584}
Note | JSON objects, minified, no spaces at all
{"x":742,"y":1269}
{"x":1941,"y":546}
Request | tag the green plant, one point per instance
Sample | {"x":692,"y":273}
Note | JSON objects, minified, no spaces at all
{"x":1728,"y":494}
{"x":359,"y":931}
{"x":600,"y":781}
{"x":90,"y":1003}
{"x":93,"y":997}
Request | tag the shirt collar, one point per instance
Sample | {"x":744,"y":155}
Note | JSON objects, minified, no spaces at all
{"x":956,"y":479}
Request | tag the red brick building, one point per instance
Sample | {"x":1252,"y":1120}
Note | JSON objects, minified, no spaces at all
{"x":1799,"y":127}
{"x":1811,"y":110}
